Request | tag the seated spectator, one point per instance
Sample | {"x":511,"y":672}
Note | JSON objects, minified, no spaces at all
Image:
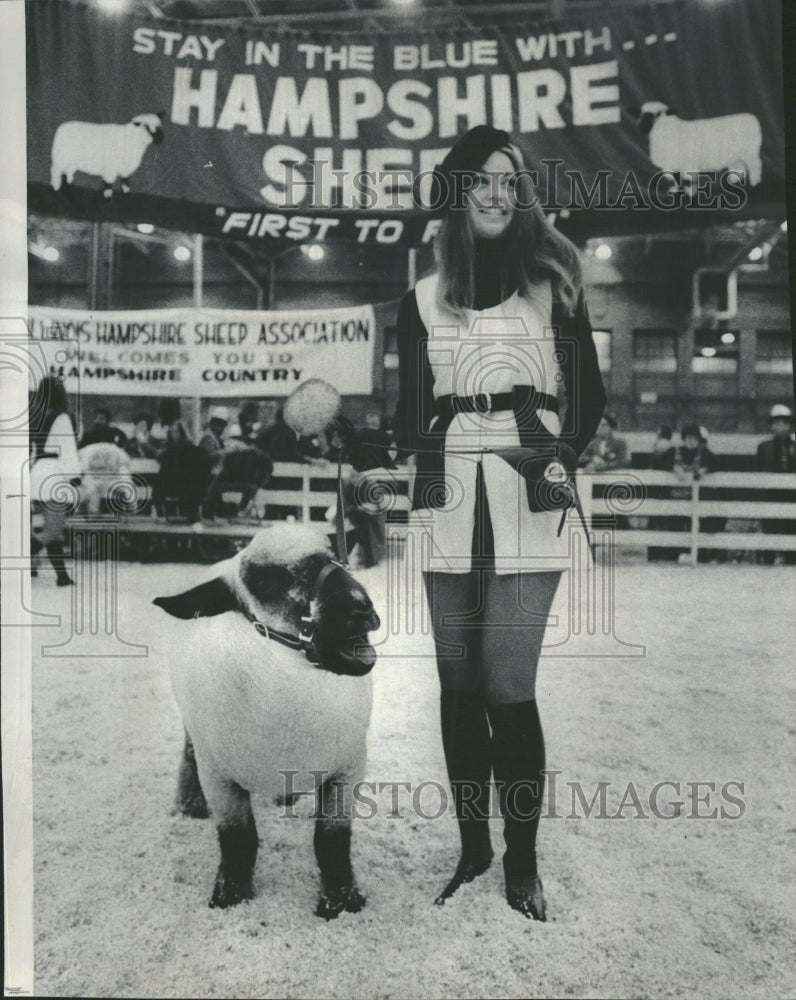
{"x":606,"y":450}
{"x":143,"y":444}
{"x":692,"y":459}
{"x":212,"y":441}
{"x":184,"y":476}
{"x":102,"y":431}
{"x":662,"y":457}
{"x":776,"y":454}
{"x":245,"y":470}
{"x":245,"y":431}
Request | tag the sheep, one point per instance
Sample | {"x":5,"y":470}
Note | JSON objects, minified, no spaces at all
{"x":728,"y":142}
{"x":259,"y":716}
{"x":107,"y":479}
{"x":108,"y":151}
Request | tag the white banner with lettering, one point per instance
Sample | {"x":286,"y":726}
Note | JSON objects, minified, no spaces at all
{"x":205,"y":352}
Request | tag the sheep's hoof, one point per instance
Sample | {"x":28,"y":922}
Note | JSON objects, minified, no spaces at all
{"x":229,"y":892}
{"x":334,"y":901}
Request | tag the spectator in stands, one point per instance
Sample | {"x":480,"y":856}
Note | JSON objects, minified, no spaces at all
{"x":694,"y":460}
{"x":143,"y":444}
{"x":606,"y":450}
{"x":281,"y":441}
{"x":243,"y":470}
{"x":102,"y":431}
{"x":662,"y":457}
{"x":776,"y":454}
{"x":247,"y":427}
{"x":184,"y":475}
{"x":212,"y":441}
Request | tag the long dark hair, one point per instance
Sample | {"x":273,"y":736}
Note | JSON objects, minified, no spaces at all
{"x":48,"y":402}
{"x":533,"y":250}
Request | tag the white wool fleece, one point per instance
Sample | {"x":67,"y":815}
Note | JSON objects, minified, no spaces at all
{"x":254,"y":708}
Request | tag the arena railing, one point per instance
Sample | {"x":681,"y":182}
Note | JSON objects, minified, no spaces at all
{"x":737,"y":512}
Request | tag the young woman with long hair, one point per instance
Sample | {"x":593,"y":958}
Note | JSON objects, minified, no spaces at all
{"x":492,"y":346}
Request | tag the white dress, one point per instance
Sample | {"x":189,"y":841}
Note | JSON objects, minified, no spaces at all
{"x":491,"y":351}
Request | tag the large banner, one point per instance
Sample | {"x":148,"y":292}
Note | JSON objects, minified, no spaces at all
{"x":205,"y":352}
{"x":636,"y":118}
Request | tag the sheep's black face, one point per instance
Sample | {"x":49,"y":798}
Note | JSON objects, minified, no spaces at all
{"x":343,"y":615}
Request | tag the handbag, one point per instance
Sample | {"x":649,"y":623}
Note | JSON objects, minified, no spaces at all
{"x":548,"y":472}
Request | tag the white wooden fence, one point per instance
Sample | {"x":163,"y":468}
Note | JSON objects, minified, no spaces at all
{"x":635,"y":500}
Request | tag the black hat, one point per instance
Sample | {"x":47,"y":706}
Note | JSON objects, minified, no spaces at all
{"x":691,"y":430}
{"x":466,"y":156}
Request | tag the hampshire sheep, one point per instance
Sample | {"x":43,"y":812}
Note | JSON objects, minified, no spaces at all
{"x":270,"y":670}
{"x":108,"y":483}
{"x":728,"y":142}
{"x":112,"y":152}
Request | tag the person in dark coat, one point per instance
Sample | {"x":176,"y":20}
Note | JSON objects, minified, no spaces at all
{"x":776,"y":454}
{"x":479,"y":370}
{"x":103,"y":431}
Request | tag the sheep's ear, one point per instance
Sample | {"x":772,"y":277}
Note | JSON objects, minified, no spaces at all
{"x":671,"y":111}
{"x":161,"y":115}
{"x":205,"y":600}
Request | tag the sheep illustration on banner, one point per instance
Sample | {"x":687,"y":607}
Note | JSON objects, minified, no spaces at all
{"x":112,"y":152}
{"x":727,"y":142}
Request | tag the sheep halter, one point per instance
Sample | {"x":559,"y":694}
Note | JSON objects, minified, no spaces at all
{"x":303,"y":641}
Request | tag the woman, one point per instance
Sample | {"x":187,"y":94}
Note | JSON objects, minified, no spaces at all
{"x":485,"y":343}
{"x":55,"y":470}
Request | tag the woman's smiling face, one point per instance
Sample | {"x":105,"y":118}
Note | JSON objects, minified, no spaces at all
{"x":489,"y":202}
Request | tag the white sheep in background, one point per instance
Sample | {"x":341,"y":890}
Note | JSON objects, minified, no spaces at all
{"x":112,"y":152}
{"x":107,"y":480}
{"x":729,"y":142}
{"x":259,"y":716}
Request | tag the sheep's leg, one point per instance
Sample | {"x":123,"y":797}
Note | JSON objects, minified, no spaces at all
{"x":333,"y":851}
{"x":107,"y":191}
{"x":237,"y":838}
{"x":124,"y":185}
{"x":190,"y":797}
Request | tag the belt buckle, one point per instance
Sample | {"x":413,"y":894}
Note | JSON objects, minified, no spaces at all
{"x":483,"y":402}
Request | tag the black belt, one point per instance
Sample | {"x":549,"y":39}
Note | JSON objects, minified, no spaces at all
{"x":486,"y":402}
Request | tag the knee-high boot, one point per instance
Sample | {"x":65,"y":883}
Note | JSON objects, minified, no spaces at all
{"x":55,"y":550}
{"x":518,"y":759}
{"x":465,"y":740}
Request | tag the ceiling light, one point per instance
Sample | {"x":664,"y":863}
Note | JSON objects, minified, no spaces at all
{"x":603,"y":252}
{"x":728,"y":337}
{"x":182,"y":253}
{"x":113,"y":6}
{"x":708,"y":352}
{"x":50,"y":254}
{"x":312,"y":251}
{"x":755,"y":253}
{"x":146,"y":228}
{"x":784,"y":226}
